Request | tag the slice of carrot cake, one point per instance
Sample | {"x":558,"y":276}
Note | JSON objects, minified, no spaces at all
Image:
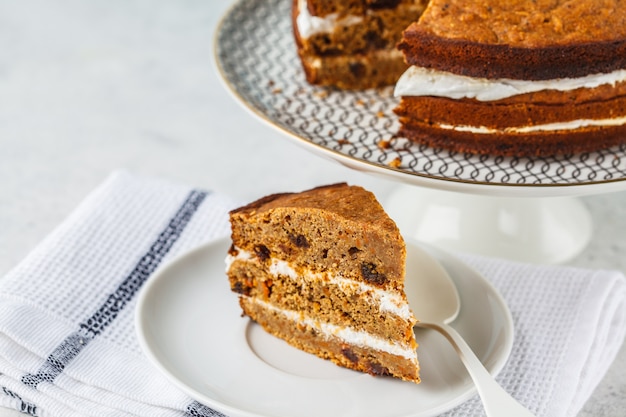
{"x":324,"y":270}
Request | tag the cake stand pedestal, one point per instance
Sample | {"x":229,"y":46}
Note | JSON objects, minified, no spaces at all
{"x":528,"y":229}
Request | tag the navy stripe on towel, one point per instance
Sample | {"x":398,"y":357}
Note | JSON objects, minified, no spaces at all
{"x":69,"y":348}
{"x":24,"y":406}
{"x":195,"y":409}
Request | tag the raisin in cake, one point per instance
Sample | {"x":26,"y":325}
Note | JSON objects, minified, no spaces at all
{"x":516,"y":78}
{"x":352,"y":44}
{"x":324,"y":270}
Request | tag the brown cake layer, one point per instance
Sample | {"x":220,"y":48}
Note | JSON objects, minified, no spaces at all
{"x":558,"y":142}
{"x":361,"y":55}
{"x":332,"y":228}
{"x":531,"y":24}
{"x":380,"y":29}
{"x":354,"y":7}
{"x":532,"y":40}
{"x":504,"y":61}
{"x":310,"y":340}
{"x":532,"y":109}
{"x":354,"y":72}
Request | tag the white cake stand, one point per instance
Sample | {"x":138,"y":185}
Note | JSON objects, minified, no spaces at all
{"x":541,"y":230}
{"x":524,"y":209}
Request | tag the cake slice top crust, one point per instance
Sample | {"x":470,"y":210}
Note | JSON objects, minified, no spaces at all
{"x":338,"y":228}
{"x":348,"y":201}
{"x":519,"y":39}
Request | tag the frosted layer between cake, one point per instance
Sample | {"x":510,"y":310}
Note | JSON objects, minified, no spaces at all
{"x":418,"y":81}
{"x":571,"y":125}
{"x":345,"y":334}
{"x":309,"y":25}
{"x":388,"y":301}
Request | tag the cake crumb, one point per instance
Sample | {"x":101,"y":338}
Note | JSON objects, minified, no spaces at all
{"x":384,"y":144}
{"x":321,"y":94}
{"x":396,"y":162}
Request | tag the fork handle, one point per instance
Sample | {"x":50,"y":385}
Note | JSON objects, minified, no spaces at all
{"x":496,"y":401}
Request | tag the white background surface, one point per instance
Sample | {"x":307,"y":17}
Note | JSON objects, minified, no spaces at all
{"x":90,"y":87}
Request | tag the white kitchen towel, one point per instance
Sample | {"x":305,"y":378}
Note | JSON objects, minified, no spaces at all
{"x":68,"y":346}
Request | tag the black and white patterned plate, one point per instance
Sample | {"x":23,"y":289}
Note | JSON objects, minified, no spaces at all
{"x":256,"y":57}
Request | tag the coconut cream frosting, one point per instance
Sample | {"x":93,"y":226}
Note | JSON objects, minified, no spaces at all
{"x":418,"y":81}
{"x":570,"y":125}
{"x":309,"y":25}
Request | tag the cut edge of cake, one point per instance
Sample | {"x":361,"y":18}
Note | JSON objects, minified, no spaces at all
{"x":354,"y":46}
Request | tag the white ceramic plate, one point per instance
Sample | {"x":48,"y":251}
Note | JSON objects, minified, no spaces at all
{"x":189,"y":324}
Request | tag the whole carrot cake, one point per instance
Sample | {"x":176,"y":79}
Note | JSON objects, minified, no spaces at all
{"x":324,"y":270}
{"x":517,"y":78}
{"x":506,"y":77}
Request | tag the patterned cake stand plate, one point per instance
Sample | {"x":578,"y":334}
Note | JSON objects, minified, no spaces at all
{"x":256,"y":58}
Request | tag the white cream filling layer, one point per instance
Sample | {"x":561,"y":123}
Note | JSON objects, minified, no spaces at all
{"x":387,"y":301}
{"x":309,"y":25}
{"x":353,"y":337}
{"x":574,"y":124}
{"x":417,"y":81}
